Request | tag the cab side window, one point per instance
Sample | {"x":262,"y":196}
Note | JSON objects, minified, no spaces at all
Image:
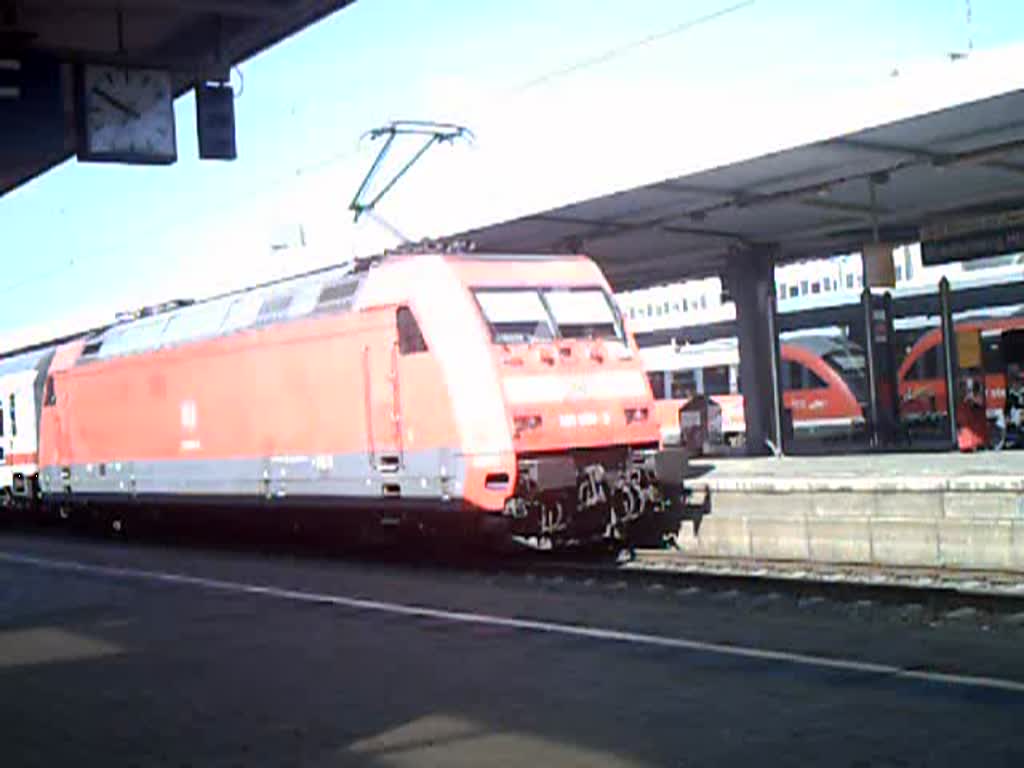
{"x":811,"y":380}
{"x":14,"y":421}
{"x":410,"y":338}
{"x":798,"y":376}
{"x":657,"y":382}
{"x":50,"y":398}
{"x":916,"y":371}
{"x":927,"y":366}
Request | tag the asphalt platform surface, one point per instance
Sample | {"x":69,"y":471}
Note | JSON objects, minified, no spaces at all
{"x":120,"y":653}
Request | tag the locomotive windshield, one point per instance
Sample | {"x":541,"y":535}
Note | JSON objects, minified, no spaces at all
{"x":851,"y":362}
{"x":582,"y":314}
{"x":521,"y":316}
{"x":515,"y":317}
{"x":852,"y":366}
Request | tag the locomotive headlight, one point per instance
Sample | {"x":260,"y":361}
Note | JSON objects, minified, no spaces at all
{"x":526,"y":422}
{"x":634,"y":415}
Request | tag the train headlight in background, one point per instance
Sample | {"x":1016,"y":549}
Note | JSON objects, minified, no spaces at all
{"x":635,"y":415}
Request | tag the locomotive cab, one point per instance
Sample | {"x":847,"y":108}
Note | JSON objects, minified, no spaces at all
{"x":578,"y":406}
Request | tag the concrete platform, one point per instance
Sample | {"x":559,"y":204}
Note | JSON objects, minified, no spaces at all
{"x":927,"y":510}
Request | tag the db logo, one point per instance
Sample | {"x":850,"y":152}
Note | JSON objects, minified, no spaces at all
{"x":189,"y":415}
{"x":577,"y":389}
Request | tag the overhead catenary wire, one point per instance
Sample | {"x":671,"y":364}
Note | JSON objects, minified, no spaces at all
{"x":274,"y":184}
{"x":574,"y":67}
{"x":577,"y":66}
{"x":619,"y":50}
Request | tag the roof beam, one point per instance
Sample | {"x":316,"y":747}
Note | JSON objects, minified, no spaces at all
{"x":990,"y":157}
{"x":838,"y":205}
{"x":257,"y":9}
{"x":604,"y":230}
{"x":1002,"y":165}
{"x":884,"y":148}
{"x":717,"y":234}
{"x":696,"y":189}
{"x":575,"y":221}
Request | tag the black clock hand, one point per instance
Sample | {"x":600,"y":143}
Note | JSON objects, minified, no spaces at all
{"x":116,"y":102}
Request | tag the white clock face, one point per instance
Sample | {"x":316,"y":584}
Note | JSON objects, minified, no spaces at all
{"x":128,"y":114}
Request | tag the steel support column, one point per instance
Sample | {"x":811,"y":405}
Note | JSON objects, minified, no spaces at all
{"x":952,"y":367}
{"x":751,"y":281}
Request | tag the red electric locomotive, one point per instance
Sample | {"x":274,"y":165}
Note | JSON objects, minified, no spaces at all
{"x":497,"y":393}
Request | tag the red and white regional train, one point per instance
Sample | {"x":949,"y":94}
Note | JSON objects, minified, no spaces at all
{"x":922,"y":382}
{"x":823,"y":377}
{"x":494,"y":393}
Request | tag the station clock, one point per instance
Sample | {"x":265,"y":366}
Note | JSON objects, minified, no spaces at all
{"x":125,"y":115}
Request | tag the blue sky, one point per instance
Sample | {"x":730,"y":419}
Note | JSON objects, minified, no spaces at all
{"x":97,"y":239}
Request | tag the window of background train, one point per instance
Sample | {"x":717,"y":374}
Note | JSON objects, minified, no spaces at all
{"x":926,"y":366}
{"x":798,"y":376}
{"x":583,"y":314}
{"x":684,"y":384}
{"x":515,"y":317}
{"x":853,"y":367}
{"x":716,"y":380}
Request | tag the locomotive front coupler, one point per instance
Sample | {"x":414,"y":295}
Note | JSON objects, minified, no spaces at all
{"x":666,"y":469}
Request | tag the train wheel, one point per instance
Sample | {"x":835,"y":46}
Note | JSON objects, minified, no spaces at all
{"x":77,"y":518}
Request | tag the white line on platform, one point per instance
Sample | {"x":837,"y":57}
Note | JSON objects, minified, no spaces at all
{"x":572,"y":630}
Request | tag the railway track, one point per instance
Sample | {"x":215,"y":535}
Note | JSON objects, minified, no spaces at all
{"x":994,"y":584}
{"x":929,"y":595}
{"x":925,"y":595}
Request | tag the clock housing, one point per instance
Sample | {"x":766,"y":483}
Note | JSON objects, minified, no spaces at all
{"x":125,"y":115}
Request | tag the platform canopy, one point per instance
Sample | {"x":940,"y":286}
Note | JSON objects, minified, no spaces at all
{"x":810,"y":200}
{"x":189,"y":37}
